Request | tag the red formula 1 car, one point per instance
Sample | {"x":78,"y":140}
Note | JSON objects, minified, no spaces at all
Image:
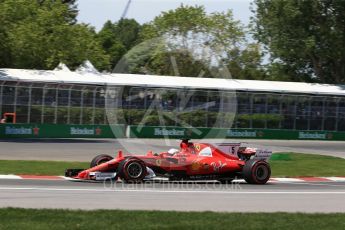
{"x":193,"y":161}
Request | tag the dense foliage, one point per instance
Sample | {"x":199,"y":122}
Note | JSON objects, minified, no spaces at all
{"x":302,"y":40}
{"x":194,"y":43}
{"x":305,"y":38}
{"x":40,"y":34}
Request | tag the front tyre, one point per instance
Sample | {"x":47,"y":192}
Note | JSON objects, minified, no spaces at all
{"x":132,"y":170}
{"x":256,"y":172}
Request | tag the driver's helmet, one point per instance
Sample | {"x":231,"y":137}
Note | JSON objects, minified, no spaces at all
{"x":173,"y":151}
{"x":184,"y":144}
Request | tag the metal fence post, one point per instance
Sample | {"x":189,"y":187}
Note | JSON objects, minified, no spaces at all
{"x":56,"y":103}
{"x":266,"y":109}
{"x":1,"y":95}
{"x":323,"y":113}
{"x":69,"y":105}
{"x":29,"y":104}
{"x":94,"y":105}
{"x":294,"y":112}
{"x":337,"y":114}
{"x":222,"y":110}
{"x":15,"y":97}
{"x":281,"y":98}
{"x":43,"y":103}
{"x":81,"y":106}
{"x":207,"y":108}
{"x":251,"y":111}
{"x":309,"y":111}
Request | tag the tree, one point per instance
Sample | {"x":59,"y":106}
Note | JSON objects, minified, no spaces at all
{"x":199,"y":41}
{"x":79,"y":44}
{"x":176,"y":63}
{"x":117,"y":38}
{"x":72,"y":12}
{"x":40,"y":34}
{"x":306,"y":39}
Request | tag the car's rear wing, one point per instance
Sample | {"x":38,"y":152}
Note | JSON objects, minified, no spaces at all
{"x":229,"y":148}
{"x":263,"y":154}
{"x":233,"y":148}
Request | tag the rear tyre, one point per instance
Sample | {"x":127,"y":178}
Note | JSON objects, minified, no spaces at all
{"x":256,"y":172}
{"x":100,"y":159}
{"x":132,"y":170}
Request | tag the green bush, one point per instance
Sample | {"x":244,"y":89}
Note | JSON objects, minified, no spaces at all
{"x":258,"y":120}
{"x":198,"y":118}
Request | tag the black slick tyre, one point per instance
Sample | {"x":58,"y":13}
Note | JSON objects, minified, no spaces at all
{"x":256,"y":172}
{"x":132,"y":170}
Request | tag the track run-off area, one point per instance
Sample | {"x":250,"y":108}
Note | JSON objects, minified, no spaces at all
{"x":86,"y":149}
{"x":306,"y":196}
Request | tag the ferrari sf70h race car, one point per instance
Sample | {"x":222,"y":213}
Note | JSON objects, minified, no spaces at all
{"x":193,"y":161}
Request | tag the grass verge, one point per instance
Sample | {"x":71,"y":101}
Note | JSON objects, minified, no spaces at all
{"x":62,"y":219}
{"x":52,"y":168}
{"x":282,"y":164}
{"x":298,"y":164}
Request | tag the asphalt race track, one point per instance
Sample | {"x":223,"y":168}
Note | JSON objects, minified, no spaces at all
{"x":86,"y":149}
{"x":287,"y":197}
{"x":239,"y":197}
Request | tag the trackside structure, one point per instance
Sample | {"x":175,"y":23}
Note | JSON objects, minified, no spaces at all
{"x":76,"y":98}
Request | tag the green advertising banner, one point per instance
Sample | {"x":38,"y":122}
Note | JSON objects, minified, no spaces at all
{"x":60,"y":131}
{"x":118,"y":131}
{"x":198,"y":133}
{"x":169,"y":132}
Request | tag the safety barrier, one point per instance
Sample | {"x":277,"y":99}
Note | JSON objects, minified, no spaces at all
{"x":197,"y":133}
{"x":120,"y":131}
{"x":61,"y":131}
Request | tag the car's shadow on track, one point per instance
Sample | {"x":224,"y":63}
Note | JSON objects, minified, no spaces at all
{"x":166,"y":182}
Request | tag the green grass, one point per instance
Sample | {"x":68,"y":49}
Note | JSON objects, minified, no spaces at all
{"x":63,"y":219}
{"x":38,"y":167}
{"x":298,"y":164}
{"x":282,"y":164}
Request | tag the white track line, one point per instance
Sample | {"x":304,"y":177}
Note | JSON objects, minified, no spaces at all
{"x":10,"y":177}
{"x":273,"y":180}
{"x":287,"y":180}
{"x":335,"y":179}
{"x":322,"y":183}
{"x":171,"y":191}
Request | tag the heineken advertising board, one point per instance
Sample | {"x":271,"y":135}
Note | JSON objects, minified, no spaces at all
{"x":159,"y":132}
{"x":60,"y":131}
{"x":198,"y":133}
{"x":118,"y":131}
